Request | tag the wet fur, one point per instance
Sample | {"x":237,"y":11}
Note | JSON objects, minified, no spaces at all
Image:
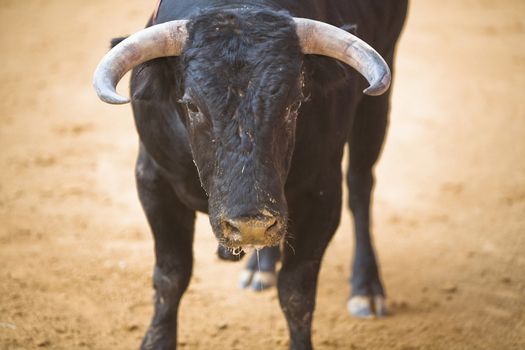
{"x":292,"y":168}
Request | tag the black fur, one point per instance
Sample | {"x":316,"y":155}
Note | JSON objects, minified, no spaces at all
{"x":242,"y":140}
{"x":116,"y":41}
{"x":230,"y":104}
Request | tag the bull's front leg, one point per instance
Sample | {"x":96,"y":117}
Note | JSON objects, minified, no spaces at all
{"x":313,"y":224}
{"x":366,"y":140}
{"x":172,"y":226}
{"x":368,"y":295}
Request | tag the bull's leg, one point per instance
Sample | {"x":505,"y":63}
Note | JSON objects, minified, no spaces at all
{"x":313,"y":225}
{"x":172,"y":225}
{"x":365,"y":141}
{"x":259,"y":272}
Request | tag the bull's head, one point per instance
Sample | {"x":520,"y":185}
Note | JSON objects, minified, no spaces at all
{"x":242,"y":89}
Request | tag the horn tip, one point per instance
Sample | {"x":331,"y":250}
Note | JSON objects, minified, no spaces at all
{"x":379,"y":87}
{"x":106,"y":93}
{"x":375,"y":90}
{"x":114,"y":99}
{"x":111,"y":97}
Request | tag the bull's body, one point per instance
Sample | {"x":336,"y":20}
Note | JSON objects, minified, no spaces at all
{"x":335,"y":113}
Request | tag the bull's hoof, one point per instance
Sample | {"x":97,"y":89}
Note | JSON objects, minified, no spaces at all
{"x":263,"y":280}
{"x":245,"y":278}
{"x":360,"y":306}
{"x":257,"y":280}
{"x":367,"y":307}
{"x":380,"y":306}
{"x":259,"y":273}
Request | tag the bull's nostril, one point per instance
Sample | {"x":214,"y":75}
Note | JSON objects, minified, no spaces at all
{"x":229,"y":227}
{"x":251,"y":230}
{"x":230,"y":231}
{"x":272,"y":225}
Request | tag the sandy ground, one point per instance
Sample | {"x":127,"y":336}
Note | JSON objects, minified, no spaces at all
{"x":76,"y":253}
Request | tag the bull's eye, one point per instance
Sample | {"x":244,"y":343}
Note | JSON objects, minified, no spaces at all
{"x":295,"y":106}
{"x":192,"y":107}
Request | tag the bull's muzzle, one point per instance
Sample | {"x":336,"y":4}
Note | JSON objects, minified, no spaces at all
{"x":252,"y":231}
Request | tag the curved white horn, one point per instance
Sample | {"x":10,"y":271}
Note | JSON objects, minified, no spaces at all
{"x":161,"y":40}
{"x":320,"y":38}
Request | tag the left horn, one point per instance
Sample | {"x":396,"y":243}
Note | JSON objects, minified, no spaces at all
{"x":161,"y":40}
{"x":319,"y":38}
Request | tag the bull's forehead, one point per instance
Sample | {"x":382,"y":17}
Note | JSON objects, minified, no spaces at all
{"x":240,"y":49}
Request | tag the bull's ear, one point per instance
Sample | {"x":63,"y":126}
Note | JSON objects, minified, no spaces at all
{"x":328,"y":73}
{"x":116,"y":41}
{"x":156,"y":80}
{"x":350,"y":28}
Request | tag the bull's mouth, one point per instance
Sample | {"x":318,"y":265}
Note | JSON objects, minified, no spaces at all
{"x":248,"y":247}
{"x":240,"y":250}
{"x":249,"y":234}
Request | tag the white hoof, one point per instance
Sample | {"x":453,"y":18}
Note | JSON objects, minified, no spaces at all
{"x":245,"y":278}
{"x":380,"y":306}
{"x":360,"y":306}
{"x":263,"y":280}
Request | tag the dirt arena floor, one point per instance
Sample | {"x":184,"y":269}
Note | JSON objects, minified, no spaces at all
{"x":76,"y":254}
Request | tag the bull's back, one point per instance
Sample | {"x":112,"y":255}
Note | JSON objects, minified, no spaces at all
{"x":378,"y":22}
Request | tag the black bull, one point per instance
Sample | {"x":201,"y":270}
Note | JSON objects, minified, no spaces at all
{"x":222,"y":130}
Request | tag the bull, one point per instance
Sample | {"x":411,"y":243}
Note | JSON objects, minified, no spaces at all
{"x":243,"y":109}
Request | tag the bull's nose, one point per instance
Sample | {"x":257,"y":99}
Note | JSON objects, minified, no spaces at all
{"x":252,"y":230}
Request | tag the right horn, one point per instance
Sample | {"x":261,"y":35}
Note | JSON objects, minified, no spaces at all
{"x":319,"y":38}
{"x":161,"y":40}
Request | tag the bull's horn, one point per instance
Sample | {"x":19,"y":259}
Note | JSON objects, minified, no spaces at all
{"x":165,"y":39}
{"x":320,"y":38}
